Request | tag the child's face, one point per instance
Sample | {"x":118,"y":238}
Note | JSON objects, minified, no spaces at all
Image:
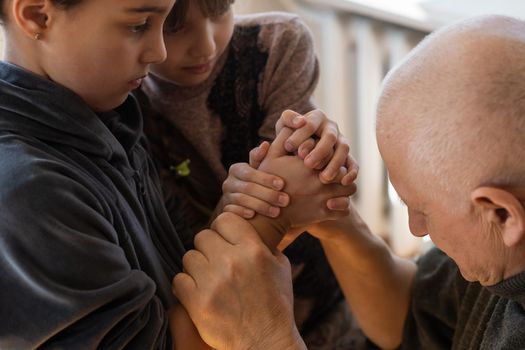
{"x":102,"y":49}
{"x":194,"y":50}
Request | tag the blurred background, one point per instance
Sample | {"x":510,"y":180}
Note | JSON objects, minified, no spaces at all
{"x":358,"y":42}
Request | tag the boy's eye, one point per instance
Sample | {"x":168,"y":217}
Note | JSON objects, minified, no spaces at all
{"x":140,"y":28}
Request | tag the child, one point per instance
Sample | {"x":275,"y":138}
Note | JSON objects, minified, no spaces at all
{"x":87,"y":248}
{"x":219,"y":94}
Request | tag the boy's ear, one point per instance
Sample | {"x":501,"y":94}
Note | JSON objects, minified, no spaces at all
{"x":31,"y":16}
{"x":502,"y":210}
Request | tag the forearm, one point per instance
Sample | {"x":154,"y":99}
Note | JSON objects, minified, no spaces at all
{"x":183,"y":332}
{"x":376,"y":284}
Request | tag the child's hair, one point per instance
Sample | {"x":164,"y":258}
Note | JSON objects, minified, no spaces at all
{"x":63,"y":3}
{"x":209,"y":8}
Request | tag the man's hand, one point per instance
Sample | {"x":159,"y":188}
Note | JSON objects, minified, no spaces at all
{"x":237,"y":291}
{"x":329,"y":153}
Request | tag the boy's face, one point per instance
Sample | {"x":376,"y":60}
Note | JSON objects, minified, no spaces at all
{"x":102,"y":49}
{"x":194,"y":50}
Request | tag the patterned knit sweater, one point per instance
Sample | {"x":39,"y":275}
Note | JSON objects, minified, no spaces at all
{"x":269,"y":66}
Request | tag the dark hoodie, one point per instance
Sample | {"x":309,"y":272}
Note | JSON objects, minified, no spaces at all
{"x":87,"y":251}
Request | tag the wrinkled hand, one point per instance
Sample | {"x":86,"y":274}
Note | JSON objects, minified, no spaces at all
{"x":329,"y":153}
{"x":238,"y":292}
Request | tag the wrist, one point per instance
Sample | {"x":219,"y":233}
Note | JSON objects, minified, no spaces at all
{"x":270,"y":230}
{"x":335,"y":232}
{"x":291,"y":341}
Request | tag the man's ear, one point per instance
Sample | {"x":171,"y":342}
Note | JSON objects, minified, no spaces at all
{"x":501,"y":209}
{"x":31,"y":16}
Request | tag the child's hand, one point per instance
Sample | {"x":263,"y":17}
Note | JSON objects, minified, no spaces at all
{"x":311,"y":200}
{"x":247,"y":190}
{"x":330,"y":152}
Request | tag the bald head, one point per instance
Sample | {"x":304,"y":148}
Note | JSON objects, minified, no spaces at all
{"x":453,"y":113}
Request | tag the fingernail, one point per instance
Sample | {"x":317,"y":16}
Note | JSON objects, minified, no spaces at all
{"x":310,"y":162}
{"x":283,"y":199}
{"x":278,"y":184}
{"x":247,"y":214}
{"x":289,"y":146}
{"x":328,"y":175}
{"x":274,"y":212}
{"x":297,"y":120}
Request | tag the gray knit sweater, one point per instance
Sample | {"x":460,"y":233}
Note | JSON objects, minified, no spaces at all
{"x":447,"y":312}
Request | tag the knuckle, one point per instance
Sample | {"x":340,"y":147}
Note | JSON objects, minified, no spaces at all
{"x":244,"y":170}
{"x":224,"y":217}
{"x":232,"y":208}
{"x":253,"y":154}
{"x":226,"y":185}
{"x":345,"y":148}
{"x":189,"y":257}
{"x":258,"y":254}
{"x":334,"y":125}
{"x":201,"y":236}
{"x":243,"y":188}
{"x":331,"y":137}
{"x":234,"y":168}
{"x":310,"y":127}
{"x":344,"y":141}
{"x":248,"y":187}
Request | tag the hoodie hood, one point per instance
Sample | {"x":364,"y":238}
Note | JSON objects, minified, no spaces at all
{"x":36,"y":107}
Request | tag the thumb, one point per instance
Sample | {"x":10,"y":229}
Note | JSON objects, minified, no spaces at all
{"x":277,"y":147}
{"x":258,"y":154}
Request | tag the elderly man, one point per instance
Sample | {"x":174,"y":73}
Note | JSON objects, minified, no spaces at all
{"x":451,"y":122}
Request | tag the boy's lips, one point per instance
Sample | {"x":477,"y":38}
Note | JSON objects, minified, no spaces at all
{"x":199,"y":68}
{"x":136,"y":82}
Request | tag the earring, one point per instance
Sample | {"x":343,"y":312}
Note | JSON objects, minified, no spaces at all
{"x":37,"y":36}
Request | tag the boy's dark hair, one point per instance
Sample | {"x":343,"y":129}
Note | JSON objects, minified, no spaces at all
{"x":63,"y":3}
{"x":209,"y":8}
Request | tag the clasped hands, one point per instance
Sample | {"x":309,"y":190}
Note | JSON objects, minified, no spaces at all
{"x":236,"y":286}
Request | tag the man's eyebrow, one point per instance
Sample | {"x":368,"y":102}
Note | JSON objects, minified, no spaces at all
{"x":147,"y":9}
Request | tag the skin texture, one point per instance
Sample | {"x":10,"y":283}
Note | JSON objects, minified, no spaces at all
{"x":447,"y":130}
